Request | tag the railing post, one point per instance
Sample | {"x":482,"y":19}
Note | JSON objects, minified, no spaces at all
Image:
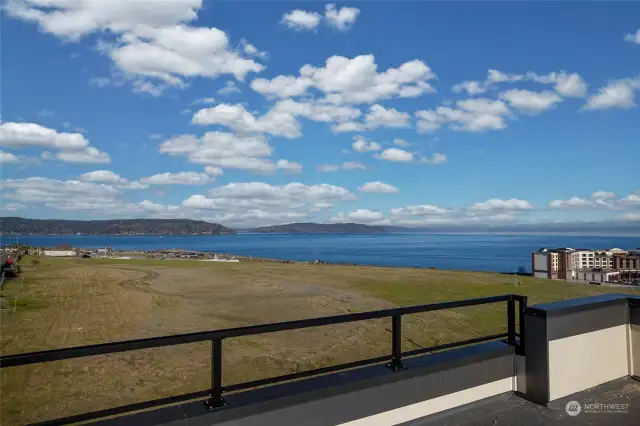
{"x":396,"y":342}
{"x":521,"y":305}
{"x":215,"y":399}
{"x":511,"y":321}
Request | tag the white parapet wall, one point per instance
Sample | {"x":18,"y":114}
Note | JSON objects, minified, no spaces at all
{"x":435,"y":405}
{"x":587,"y":360}
{"x":575,"y":345}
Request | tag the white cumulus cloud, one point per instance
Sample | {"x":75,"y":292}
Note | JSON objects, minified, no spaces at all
{"x":378,"y":116}
{"x":7,"y":157}
{"x":597,"y":200}
{"x":223,"y":150}
{"x":213,"y":171}
{"x":633,"y":37}
{"x":21,"y":135}
{"x":531,"y":102}
{"x":301,"y":20}
{"x":179,"y":178}
{"x":283,"y":86}
{"x":352,"y":81}
{"x":435,"y":158}
{"x":89,"y":155}
{"x":360,"y":144}
{"x":342,"y":19}
{"x":153,"y":43}
{"x":566,"y":84}
{"x":359,"y":216}
{"x":379,"y":188}
{"x":347,"y":165}
{"x":237,"y":118}
{"x":106,"y":176}
{"x":289,"y":166}
{"x":69,"y":195}
{"x":204,"y":101}
{"x":12,"y":207}
{"x":315,"y":111}
{"x":397,"y":155}
{"x":617,"y":94}
{"x":229,"y":88}
{"x":74,"y":147}
{"x":401,"y":142}
{"x":469,"y":115}
{"x":496,"y":204}
{"x":259,"y":203}
{"x":570,"y":85}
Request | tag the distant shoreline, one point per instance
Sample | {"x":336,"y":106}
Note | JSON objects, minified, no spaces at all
{"x":143,"y":255}
{"x":475,"y":252}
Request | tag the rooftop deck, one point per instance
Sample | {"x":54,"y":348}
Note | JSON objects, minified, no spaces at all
{"x":510,"y":409}
{"x":579,"y":353}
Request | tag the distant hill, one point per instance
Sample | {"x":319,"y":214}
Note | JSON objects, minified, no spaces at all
{"x":18,"y":225}
{"x":321,"y":228}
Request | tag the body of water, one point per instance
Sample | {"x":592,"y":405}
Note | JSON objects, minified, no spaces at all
{"x":487,"y":252}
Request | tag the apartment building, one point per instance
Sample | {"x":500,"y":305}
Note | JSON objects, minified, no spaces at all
{"x":589,"y":259}
{"x":583,"y":264}
{"x":627,"y":261}
{"x":555,"y":264}
{"x":544,"y":264}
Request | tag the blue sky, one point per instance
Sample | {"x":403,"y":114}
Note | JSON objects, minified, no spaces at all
{"x":258,"y":113}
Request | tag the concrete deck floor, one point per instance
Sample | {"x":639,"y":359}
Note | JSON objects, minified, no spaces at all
{"x":509,"y":409}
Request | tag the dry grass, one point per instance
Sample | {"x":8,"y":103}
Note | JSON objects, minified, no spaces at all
{"x":70,"y":302}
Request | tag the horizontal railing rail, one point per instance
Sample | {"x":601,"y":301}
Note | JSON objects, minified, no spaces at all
{"x":513,"y":337}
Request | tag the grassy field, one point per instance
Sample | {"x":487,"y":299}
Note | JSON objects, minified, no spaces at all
{"x":70,"y":302}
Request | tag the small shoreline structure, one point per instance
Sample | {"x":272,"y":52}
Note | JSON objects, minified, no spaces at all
{"x":218,"y":259}
{"x":66,"y":250}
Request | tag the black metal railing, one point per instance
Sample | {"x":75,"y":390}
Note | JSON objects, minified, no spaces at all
{"x":215,"y":399}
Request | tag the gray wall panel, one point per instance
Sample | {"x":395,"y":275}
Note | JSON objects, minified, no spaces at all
{"x":537,"y":364}
{"x":634,"y":314}
{"x":599,"y":318}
